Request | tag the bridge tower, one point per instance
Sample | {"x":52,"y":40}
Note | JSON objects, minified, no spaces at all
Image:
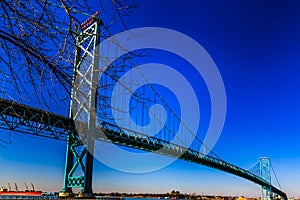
{"x":80,"y":146}
{"x":265,"y":174}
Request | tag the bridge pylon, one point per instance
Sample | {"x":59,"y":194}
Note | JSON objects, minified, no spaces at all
{"x":80,"y":146}
{"x":265,"y":174}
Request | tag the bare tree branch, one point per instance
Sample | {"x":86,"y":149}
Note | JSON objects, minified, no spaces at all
{"x":37,"y":43}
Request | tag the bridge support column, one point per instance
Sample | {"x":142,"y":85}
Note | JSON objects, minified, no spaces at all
{"x":80,"y":148}
{"x":67,"y":191}
{"x":266,"y":175}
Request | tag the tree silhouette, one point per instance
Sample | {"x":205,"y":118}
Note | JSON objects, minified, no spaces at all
{"x":37,"y":40}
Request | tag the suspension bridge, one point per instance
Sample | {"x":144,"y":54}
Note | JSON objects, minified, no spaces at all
{"x":81,"y":139}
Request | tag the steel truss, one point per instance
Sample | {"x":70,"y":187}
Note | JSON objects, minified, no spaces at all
{"x":123,"y":137}
{"x":79,"y":156}
{"x":21,"y":118}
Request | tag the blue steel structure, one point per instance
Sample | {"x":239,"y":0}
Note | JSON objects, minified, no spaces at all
{"x":79,"y":155}
{"x":265,"y":173}
{"x":18,"y":117}
{"x":80,"y":145}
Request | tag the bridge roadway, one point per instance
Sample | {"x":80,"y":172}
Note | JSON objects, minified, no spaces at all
{"x":29,"y":120}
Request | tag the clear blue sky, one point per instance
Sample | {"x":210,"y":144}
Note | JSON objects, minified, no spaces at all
{"x":256,"y":46}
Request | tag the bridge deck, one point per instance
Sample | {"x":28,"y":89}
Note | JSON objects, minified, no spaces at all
{"x":143,"y":142}
{"x":14,"y":116}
